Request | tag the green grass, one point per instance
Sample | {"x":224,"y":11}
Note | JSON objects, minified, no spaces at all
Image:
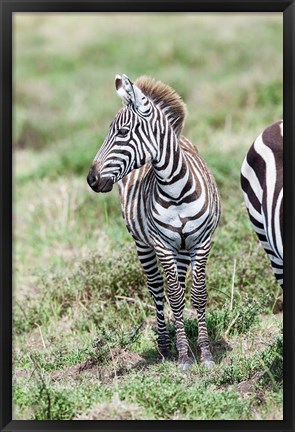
{"x":84,"y":323}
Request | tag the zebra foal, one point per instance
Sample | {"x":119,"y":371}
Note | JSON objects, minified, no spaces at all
{"x":169,"y":200}
{"x":262,"y":186}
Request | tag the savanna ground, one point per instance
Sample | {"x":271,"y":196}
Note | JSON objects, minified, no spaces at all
{"x":84,"y":323}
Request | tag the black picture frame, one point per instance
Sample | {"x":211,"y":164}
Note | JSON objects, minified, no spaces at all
{"x":7,"y":8}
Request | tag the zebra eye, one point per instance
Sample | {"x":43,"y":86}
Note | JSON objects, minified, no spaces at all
{"x":123,"y":132}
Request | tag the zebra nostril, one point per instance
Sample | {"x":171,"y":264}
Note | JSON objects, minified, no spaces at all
{"x":91,"y":179}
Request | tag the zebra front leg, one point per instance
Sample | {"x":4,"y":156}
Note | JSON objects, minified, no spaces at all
{"x":199,"y":300}
{"x":177,"y":301}
{"x":155,"y":286}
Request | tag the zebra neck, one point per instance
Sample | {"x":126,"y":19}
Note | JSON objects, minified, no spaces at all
{"x":171,"y":170}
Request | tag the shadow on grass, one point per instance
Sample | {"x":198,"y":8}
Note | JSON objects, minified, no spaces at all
{"x":219,"y":346}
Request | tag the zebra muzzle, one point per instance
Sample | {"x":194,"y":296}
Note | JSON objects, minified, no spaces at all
{"x":98,"y":184}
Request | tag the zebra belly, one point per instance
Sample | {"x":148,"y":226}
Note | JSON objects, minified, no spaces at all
{"x":174,"y":233}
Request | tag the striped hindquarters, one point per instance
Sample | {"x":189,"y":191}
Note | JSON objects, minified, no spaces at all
{"x":262,"y":185}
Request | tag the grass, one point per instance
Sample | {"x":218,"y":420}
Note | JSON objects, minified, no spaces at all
{"x":84,"y":323}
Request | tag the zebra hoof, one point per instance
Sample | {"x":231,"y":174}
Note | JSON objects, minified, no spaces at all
{"x":165,"y":355}
{"x":185,"y":364}
{"x":208,"y":364}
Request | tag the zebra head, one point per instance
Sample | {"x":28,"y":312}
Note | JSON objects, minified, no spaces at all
{"x":129,"y":142}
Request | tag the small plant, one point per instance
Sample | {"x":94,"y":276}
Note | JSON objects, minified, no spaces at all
{"x":110,"y":339}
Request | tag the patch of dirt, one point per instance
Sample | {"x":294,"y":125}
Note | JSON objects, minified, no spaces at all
{"x":128,"y":358}
{"x":122,"y":361}
{"x":249,"y":386}
{"x":75,"y":371}
{"x":86,"y":367}
{"x":113,"y":410}
{"x":21,"y":373}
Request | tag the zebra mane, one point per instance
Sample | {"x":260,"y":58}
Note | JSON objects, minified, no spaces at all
{"x":167,"y":100}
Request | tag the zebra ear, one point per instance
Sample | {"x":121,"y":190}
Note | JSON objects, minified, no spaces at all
{"x":130,"y":93}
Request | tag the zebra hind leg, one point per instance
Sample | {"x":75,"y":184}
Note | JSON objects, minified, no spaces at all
{"x":199,"y":300}
{"x":183,"y":262}
{"x":155,"y":286}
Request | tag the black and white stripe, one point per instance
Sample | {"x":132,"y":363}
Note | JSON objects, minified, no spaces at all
{"x":169,"y":200}
{"x":262,"y":185}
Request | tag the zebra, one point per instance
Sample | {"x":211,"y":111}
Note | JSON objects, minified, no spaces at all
{"x":169,"y":201}
{"x":262,"y":186}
